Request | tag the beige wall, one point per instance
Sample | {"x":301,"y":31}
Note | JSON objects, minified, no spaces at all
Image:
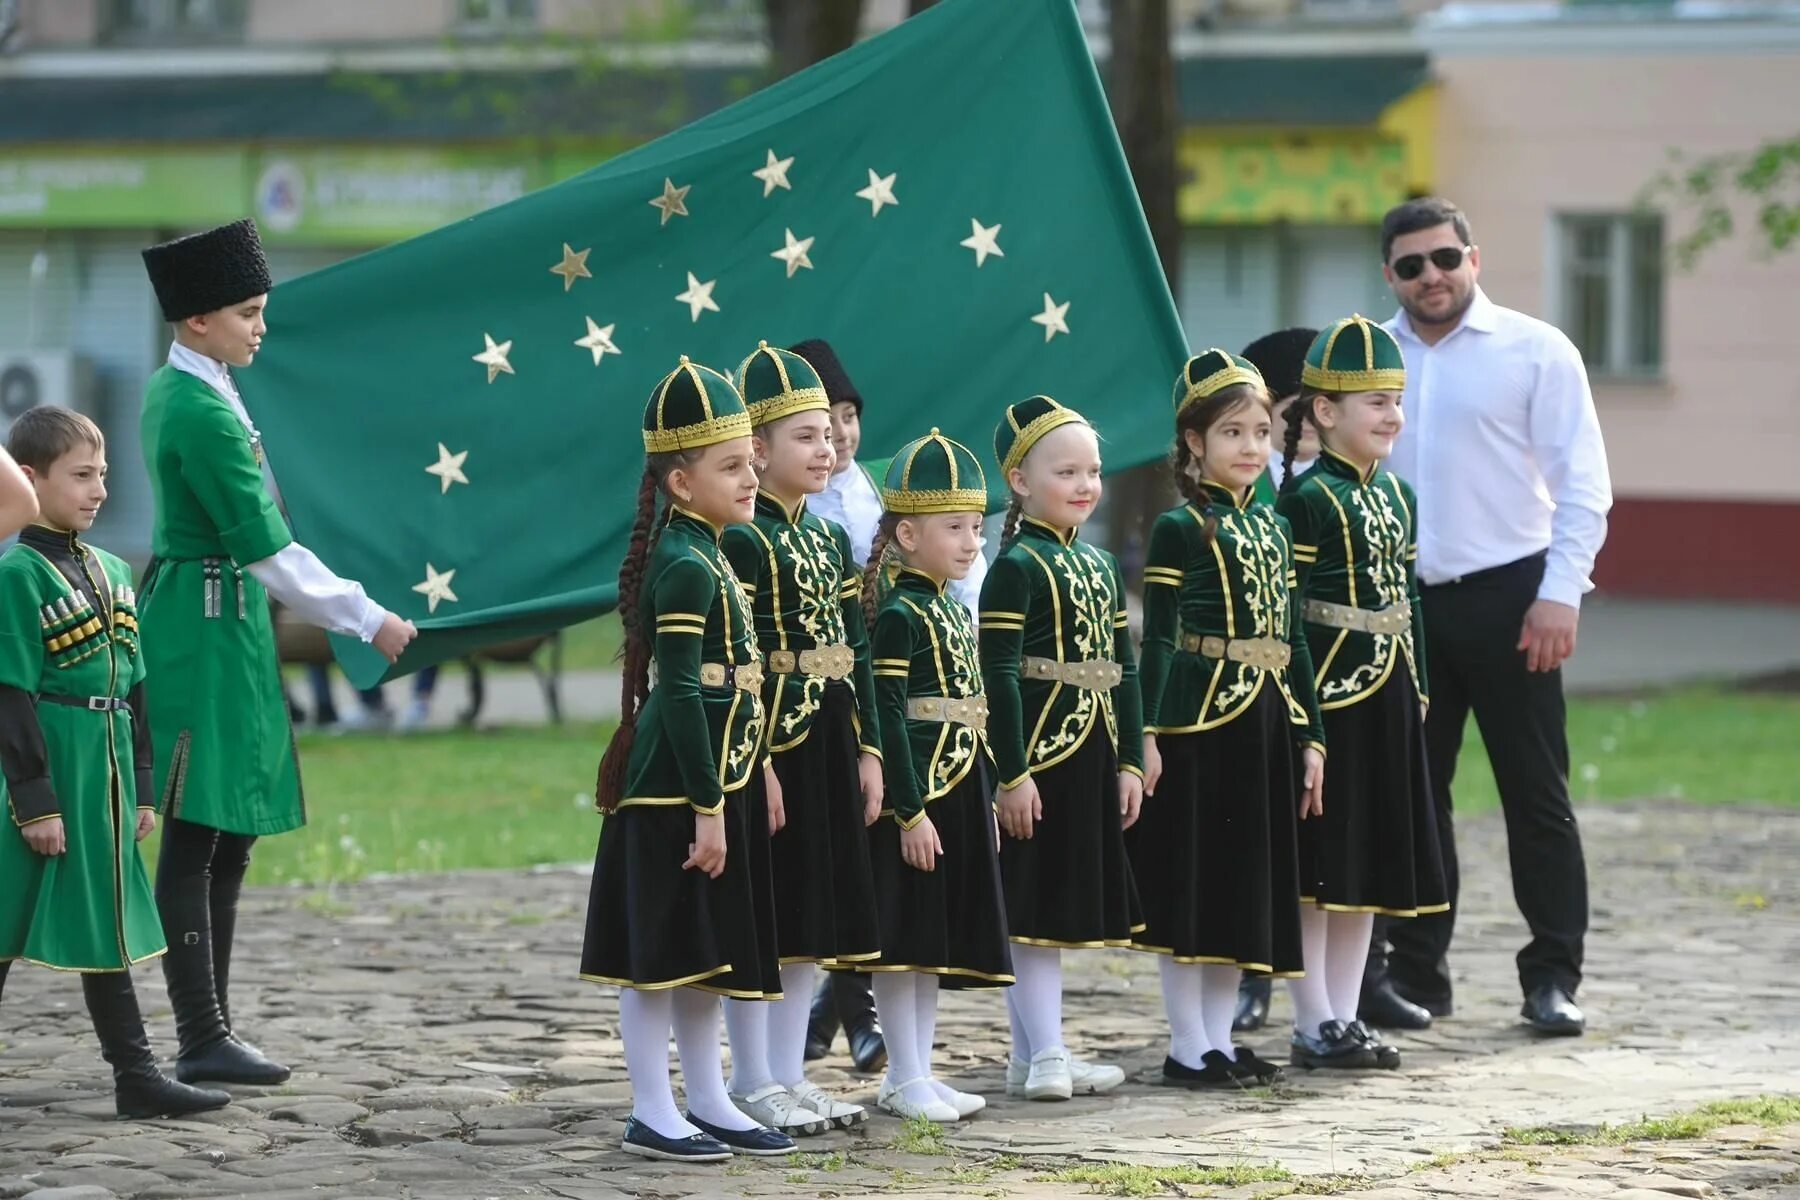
{"x":59,"y":22}
{"x":1524,"y":137}
{"x":348,"y":20}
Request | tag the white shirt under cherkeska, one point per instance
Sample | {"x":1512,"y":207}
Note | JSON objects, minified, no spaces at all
{"x":851,"y":499}
{"x":1502,"y":445}
{"x":1278,"y":474}
{"x":293,"y":575}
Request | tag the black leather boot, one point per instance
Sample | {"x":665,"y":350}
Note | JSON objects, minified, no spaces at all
{"x":856,"y":1006}
{"x":4,"y":968}
{"x":140,"y":1091}
{"x":208,"y":1051}
{"x":822,"y":1025}
{"x":222,"y":906}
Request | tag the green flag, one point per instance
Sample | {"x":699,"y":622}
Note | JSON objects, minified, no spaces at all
{"x":454,"y":420}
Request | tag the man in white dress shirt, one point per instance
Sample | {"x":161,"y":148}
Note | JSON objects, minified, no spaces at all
{"x":1502,"y":445}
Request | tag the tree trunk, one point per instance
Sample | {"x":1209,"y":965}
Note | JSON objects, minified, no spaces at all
{"x":915,"y":7}
{"x":1142,"y":87}
{"x":801,"y":32}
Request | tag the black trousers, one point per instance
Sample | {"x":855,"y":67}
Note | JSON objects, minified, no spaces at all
{"x":189,"y":849}
{"x":1472,"y":634}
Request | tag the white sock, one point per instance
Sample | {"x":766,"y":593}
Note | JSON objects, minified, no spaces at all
{"x":925,"y":1003}
{"x":1218,"y":1005}
{"x":1021,"y":1040}
{"x":1181,"y":1001}
{"x":1038,"y":996}
{"x":747,"y":1032}
{"x":696,"y":1020}
{"x":894,"y":1005}
{"x":1310,"y":992}
{"x":788,"y":1018}
{"x":1346,"y":957}
{"x":644,"y":1028}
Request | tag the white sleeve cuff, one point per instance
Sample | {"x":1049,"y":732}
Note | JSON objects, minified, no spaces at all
{"x":308,"y":588}
{"x":1562,"y":591}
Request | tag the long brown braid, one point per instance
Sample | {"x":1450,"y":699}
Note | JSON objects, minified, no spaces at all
{"x":1299,"y":414}
{"x":878,"y":552}
{"x":1199,"y":417}
{"x":634,"y":651}
{"x":1015,"y":511}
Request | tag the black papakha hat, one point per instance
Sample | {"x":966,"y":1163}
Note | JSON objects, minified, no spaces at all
{"x":207,"y":271}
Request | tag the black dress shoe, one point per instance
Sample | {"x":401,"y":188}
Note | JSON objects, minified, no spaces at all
{"x":761,"y":1142}
{"x":1385,"y":1008}
{"x":1551,"y":1010}
{"x":1215,"y":1071}
{"x":1253,"y":1004}
{"x":1437,"y":1004}
{"x":645,"y":1142}
{"x":1334,"y":1048}
{"x":1387,"y":1055}
{"x":1252,"y":1067}
{"x":867,"y":1048}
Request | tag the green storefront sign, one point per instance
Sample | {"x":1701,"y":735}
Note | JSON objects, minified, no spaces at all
{"x":353,"y":196}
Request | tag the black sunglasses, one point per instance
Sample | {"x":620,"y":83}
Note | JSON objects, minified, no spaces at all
{"x":1445,"y":258}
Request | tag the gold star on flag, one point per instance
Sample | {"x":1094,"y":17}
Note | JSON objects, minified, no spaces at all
{"x":879,"y":192}
{"x":448,"y":467}
{"x":673,"y":201}
{"x":436,"y":587}
{"x":494,"y":357}
{"x":983,"y":242}
{"x":794,"y":253}
{"x":1053,"y":318}
{"x":774,"y":174}
{"x":573,"y":266}
{"x":598,"y":339}
{"x":698,"y":296}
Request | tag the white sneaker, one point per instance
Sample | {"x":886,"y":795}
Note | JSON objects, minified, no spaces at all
{"x":413,"y":717}
{"x":966,"y":1104}
{"x":839,"y":1114}
{"x":893,"y":1100}
{"x":1085,"y":1078}
{"x":1049,"y":1077}
{"x":775,"y":1107}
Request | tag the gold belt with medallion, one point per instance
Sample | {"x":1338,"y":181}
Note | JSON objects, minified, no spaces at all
{"x":1394,"y":619}
{"x":968,"y":710}
{"x":1098,"y":675}
{"x":832,"y":662}
{"x":1271,"y":654}
{"x":745,"y":678}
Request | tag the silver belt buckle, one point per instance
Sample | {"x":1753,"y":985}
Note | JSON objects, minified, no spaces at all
{"x":99,"y":703}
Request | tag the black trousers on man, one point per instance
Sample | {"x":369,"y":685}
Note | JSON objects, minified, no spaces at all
{"x":1472,"y":630}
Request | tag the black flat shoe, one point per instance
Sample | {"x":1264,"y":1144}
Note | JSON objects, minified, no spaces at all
{"x":1387,"y":1056}
{"x":1253,"y":1067}
{"x":1385,"y":1008}
{"x":1333,"y":1049}
{"x":1551,"y":1011}
{"x":645,"y":1142}
{"x":1215,"y":1071}
{"x":1253,"y":1004}
{"x":761,"y":1142}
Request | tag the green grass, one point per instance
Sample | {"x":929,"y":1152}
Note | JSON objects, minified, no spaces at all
{"x":1704,"y":745}
{"x":445,"y":801}
{"x":920,"y":1136}
{"x":1768,"y":1111}
{"x":1131,"y":1179}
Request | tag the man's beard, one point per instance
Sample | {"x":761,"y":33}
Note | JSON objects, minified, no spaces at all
{"x":1449,"y":318}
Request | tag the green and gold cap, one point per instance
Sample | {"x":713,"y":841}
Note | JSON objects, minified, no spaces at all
{"x":693,"y":406}
{"x":1210,"y":373}
{"x":934,"y":475}
{"x":777,"y":383}
{"x":1025,"y":425}
{"x":1354,"y":355}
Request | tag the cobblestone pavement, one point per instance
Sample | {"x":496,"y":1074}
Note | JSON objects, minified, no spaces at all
{"x":445,"y":1049}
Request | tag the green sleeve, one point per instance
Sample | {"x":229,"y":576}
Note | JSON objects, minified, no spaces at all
{"x":1411,"y":500}
{"x":1165,"y":568}
{"x":220,"y":468}
{"x":1300,"y":665}
{"x":682,"y":597}
{"x":892,"y":649}
{"x":856,"y":630}
{"x":1128,"y":698}
{"x":749,"y":560}
{"x":1005,"y":599}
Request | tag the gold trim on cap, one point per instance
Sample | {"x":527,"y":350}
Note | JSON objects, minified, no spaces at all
{"x":1217,"y":381}
{"x":1035,"y":430}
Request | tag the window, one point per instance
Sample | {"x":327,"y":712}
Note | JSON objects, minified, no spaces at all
{"x":176,"y":21}
{"x":1611,"y":276}
{"x":496,"y":16}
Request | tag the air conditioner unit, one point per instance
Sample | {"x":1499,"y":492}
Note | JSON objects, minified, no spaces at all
{"x":31,"y":378}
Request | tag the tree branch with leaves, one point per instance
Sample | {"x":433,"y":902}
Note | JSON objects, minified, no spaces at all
{"x":1713,"y":193}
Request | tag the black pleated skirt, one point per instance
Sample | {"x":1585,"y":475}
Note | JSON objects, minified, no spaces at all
{"x":651,"y":924}
{"x":1214,"y":851}
{"x":1070,"y":885}
{"x":951,"y":921}
{"x":824,"y":890}
{"x":1376,"y":848}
